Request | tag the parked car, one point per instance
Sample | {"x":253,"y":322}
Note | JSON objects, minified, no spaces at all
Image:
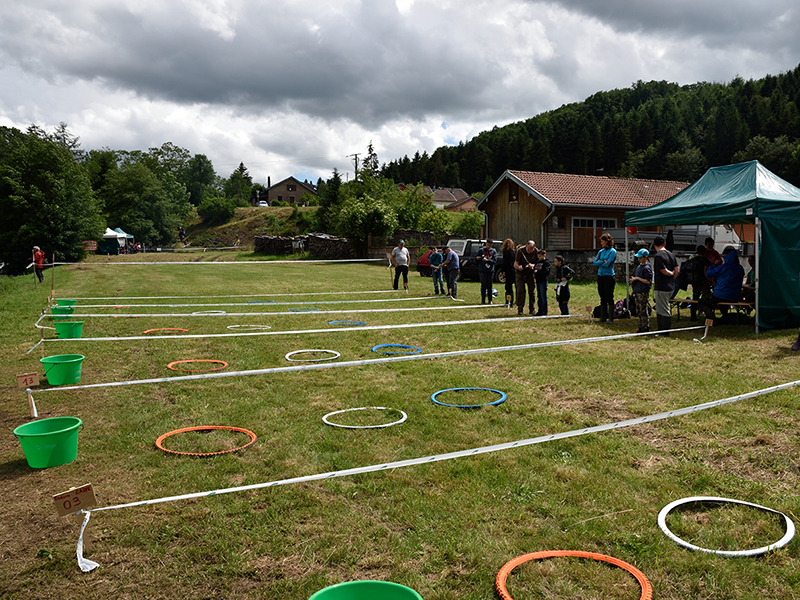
{"x":467,"y":251}
{"x":262,"y":203}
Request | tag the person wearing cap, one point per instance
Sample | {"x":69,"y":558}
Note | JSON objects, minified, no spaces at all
{"x":665,"y":271}
{"x":38,"y":263}
{"x":641,"y":281}
{"x":486,"y":259}
{"x":400,"y":261}
{"x":451,"y":266}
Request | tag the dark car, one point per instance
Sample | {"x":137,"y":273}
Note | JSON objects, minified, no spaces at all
{"x":469,"y":264}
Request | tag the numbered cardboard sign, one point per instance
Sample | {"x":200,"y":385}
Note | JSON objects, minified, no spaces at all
{"x":75,"y":499}
{"x":709,"y":322}
{"x":27,"y":380}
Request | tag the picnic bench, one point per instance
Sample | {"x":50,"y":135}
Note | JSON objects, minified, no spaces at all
{"x":741,"y":308}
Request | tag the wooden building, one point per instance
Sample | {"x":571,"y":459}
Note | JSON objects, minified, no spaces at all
{"x":562,"y":212}
{"x":289,"y":190}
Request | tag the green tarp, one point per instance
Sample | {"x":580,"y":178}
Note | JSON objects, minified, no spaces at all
{"x":741,"y":193}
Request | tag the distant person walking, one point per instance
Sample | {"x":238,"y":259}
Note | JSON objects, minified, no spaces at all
{"x":400,"y":258}
{"x":38,"y":263}
{"x":604,"y":261}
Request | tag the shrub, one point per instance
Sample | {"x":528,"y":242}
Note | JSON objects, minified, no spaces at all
{"x":216,"y":210}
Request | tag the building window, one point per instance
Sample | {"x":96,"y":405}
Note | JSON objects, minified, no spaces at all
{"x":586,"y":232}
{"x":280,"y":198}
{"x":513,"y":192}
{"x":291,"y":187}
{"x":291,"y":199}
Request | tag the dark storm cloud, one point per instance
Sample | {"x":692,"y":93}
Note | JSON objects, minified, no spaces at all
{"x":367,"y":65}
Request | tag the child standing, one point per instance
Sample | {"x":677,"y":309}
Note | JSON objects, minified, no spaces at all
{"x":641,"y":282}
{"x":541,"y":269}
{"x":563,"y":275}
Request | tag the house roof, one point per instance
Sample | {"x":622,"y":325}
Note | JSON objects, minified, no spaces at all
{"x":459,"y":203}
{"x":310,"y":189}
{"x":590,"y":190}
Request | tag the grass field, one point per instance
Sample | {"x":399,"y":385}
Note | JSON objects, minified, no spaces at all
{"x":443,"y":528}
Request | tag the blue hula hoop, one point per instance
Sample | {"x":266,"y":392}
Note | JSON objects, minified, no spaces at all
{"x":414,"y":349}
{"x":303,"y":309}
{"x":500,"y":400}
{"x":347,"y":323}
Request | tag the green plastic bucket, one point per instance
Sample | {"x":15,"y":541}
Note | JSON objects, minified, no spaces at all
{"x":61,"y":312}
{"x":62,"y":368}
{"x":366,"y":590}
{"x":65,"y":302}
{"x":49,"y":442}
{"x":69,"y":329}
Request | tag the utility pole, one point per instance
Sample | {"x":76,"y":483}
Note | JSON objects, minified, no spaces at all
{"x":355,"y":162}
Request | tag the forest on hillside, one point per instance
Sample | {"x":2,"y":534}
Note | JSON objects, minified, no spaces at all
{"x":653,"y":130}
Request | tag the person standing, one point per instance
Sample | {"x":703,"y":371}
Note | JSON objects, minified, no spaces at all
{"x":508,"y":269}
{"x":563,"y":275}
{"x":665,"y":271}
{"x":524,"y":261}
{"x":436,"y":259}
{"x":38,"y":263}
{"x":451,"y":266}
{"x":641,"y":282}
{"x":604,"y":261}
{"x":487,"y":259}
{"x":541,"y":270}
{"x":400,"y":261}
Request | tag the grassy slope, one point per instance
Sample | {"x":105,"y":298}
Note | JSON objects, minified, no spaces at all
{"x":246,"y":223}
{"x":444,"y":528}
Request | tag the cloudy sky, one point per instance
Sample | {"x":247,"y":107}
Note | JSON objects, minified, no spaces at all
{"x":292,"y":87}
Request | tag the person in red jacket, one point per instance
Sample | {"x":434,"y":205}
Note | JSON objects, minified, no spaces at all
{"x":38,"y":263}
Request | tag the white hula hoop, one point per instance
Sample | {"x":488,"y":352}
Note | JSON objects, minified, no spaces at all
{"x":338,"y":412}
{"x":334,"y":357}
{"x":209,"y":312}
{"x":662,"y":523}
{"x":248,"y":327}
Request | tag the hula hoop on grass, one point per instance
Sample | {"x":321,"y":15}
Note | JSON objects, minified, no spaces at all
{"x":247,"y":327}
{"x":500,"y":400}
{"x":338,"y":412}
{"x":303,"y":309}
{"x":502,"y":575}
{"x":347,"y":323}
{"x":662,"y":523}
{"x":414,"y":349}
{"x":160,"y":440}
{"x":290,"y":354}
{"x":193,"y":360}
{"x":164,"y":329}
{"x":210,"y":312}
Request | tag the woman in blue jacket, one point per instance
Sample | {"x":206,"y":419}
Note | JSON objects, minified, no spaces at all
{"x":728,"y":286}
{"x":604,"y":261}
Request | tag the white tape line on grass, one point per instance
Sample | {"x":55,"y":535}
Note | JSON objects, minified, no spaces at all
{"x":296,"y":331}
{"x":451,"y":455}
{"x":355,"y":363}
{"x":271,"y":303}
{"x":158,"y":263}
{"x":230,"y":295}
{"x":318,"y":312}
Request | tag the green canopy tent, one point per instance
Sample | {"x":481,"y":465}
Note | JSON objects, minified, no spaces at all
{"x":746,"y":193}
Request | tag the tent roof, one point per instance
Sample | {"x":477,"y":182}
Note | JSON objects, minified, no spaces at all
{"x":731,"y":194}
{"x":127,"y":235}
{"x":111,"y":234}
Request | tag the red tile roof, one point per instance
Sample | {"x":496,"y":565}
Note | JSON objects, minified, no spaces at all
{"x":561,"y":188}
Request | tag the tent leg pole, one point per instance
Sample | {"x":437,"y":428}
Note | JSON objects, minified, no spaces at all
{"x":758,"y":265}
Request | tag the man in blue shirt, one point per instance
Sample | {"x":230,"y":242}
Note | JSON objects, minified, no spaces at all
{"x":451,"y":266}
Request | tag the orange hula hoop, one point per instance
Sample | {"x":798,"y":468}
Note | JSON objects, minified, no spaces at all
{"x":191,"y":360}
{"x":164,"y":329}
{"x":502,"y":575}
{"x":160,"y":440}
